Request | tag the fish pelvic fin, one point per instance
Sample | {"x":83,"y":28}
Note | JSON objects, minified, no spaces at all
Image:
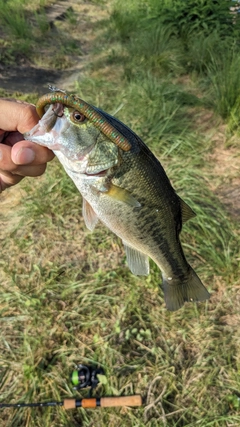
{"x":137,"y":261}
{"x":176,"y":293}
{"x":89,"y":215}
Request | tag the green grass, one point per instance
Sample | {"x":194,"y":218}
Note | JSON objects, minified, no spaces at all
{"x":27,"y":34}
{"x":68,"y":297}
{"x":176,"y":38}
{"x":224,"y":75}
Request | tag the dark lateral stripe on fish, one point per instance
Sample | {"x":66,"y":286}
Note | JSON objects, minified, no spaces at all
{"x":88,"y":111}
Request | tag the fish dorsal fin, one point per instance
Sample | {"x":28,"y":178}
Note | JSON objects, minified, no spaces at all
{"x":137,"y":261}
{"x":89,"y":215}
{"x":187,"y":212}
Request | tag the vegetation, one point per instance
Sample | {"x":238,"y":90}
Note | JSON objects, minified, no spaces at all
{"x":172,"y":37}
{"x":28,"y":35}
{"x":67,"y":295}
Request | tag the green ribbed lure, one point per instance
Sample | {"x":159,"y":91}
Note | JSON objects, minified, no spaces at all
{"x":73,"y":101}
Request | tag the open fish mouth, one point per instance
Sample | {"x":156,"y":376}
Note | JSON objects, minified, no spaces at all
{"x":58,"y":109}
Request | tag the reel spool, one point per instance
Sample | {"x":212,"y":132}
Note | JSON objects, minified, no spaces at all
{"x":86,"y":376}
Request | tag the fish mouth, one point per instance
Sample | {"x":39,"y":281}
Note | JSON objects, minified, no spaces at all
{"x":58,"y":109}
{"x":101,"y":173}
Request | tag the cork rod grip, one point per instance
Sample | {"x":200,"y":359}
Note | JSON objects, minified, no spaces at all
{"x":69,"y":403}
{"x":121,"y":401}
{"x":105,"y":402}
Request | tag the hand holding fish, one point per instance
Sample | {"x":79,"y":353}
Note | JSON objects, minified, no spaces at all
{"x":19,"y":158}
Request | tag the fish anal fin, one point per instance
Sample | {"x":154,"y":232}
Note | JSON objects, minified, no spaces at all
{"x":177,"y":292}
{"x":89,"y":215}
{"x":122,"y":195}
{"x":187,"y":212}
{"x":137,"y":261}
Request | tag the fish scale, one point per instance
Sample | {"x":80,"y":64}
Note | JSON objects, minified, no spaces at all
{"x":133,"y":196}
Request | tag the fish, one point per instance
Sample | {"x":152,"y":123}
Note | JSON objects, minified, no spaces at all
{"x":124,"y":186}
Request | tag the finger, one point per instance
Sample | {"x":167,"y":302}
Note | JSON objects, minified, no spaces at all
{"x":7,"y":180}
{"x":17,"y":116}
{"x":33,"y":171}
{"x":8,"y":166}
{"x":10,"y":138}
{"x":6,"y":163}
{"x":26,"y":152}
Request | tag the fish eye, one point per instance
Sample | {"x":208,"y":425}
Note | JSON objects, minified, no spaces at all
{"x":78,"y":117}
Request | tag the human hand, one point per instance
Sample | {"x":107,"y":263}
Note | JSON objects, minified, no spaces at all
{"x":19,"y":158}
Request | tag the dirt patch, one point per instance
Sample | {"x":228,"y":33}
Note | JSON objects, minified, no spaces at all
{"x":226,"y":169}
{"x":223,"y":162}
{"x":231,"y":198}
{"x":26,"y":77}
{"x":10,"y":213}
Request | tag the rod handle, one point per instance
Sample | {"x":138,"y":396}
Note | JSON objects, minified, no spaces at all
{"x":135,"y":400}
{"x":105,"y":402}
{"x":69,"y":403}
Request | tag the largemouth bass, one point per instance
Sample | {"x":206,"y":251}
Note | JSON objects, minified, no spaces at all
{"x":124,"y":186}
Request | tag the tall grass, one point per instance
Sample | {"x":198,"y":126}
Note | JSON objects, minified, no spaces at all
{"x":27,"y":34}
{"x":174,"y":38}
{"x":15,"y":20}
{"x":127,"y":24}
{"x":157,"y":51}
{"x":224,"y":75}
{"x":204,"y":50}
{"x":194,"y":16}
{"x":183,"y":19}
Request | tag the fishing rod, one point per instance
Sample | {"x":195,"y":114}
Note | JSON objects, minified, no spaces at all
{"x":84,"y":376}
{"x":88,"y":402}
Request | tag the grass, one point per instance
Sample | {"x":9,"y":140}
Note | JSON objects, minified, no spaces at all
{"x":225,"y":77}
{"x":28,"y":35}
{"x":67,"y":296}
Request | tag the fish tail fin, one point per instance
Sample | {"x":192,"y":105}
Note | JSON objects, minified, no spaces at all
{"x":190,"y":289}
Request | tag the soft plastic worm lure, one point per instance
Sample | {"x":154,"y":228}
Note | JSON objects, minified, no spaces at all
{"x":70,"y":100}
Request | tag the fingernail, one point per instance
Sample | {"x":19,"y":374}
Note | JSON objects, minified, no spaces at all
{"x":1,"y":155}
{"x":25,"y":156}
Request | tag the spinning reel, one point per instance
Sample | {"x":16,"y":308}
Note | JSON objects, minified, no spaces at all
{"x":86,"y":376}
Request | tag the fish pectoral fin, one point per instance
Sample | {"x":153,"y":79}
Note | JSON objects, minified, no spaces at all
{"x":122,"y":195}
{"x":137,"y":261}
{"x":187,"y":212}
{"x":89,"y":215}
